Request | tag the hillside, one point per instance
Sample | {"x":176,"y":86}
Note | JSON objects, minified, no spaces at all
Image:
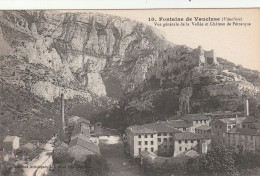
{"x":100,"y":60}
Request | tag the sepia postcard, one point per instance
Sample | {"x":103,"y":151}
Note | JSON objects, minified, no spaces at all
{"x":150,"y":92}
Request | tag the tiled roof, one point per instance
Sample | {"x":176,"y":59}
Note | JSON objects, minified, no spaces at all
{"x":137,"y":129}
{"x":77,"y":119}
{"x":78,"y":129}
{"x":10,"y":138}
{"x":251,"y":119}
{"x":60,"y":144}
{"x":203,"y":127}
{"x":160,"y":127}
{"x":85,"y":144}
{"x":238,"y":119}
{"x":192,"y":117}
{"x":187,"y":135}
{"x":248,"y":131}
{"x":233,"y":130}
{"x":177,"y":123}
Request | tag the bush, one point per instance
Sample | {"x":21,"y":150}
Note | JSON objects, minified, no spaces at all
{"x":95,"y":165}
{"x":218,"y":161}
{"x":61,"y":157}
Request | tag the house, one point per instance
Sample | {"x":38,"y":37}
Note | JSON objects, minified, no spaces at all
{"x":196,"y":120}
{"x":139,"y":139}
{"x":178,"y":124}
{"x":60,"y":146}
{"x":11,"y":144}
{"x":203,"y":130}
{"x":165,"y":136}
{"x":220,"y":126}
{"x":251,"y":122}
{"x":243,"y":139}
{"x":80,"y":148}
{"x":186,"y":141}
{"x":83,"y":130}
{"x":75,"y":120}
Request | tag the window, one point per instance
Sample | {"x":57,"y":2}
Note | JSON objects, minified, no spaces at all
{"x":159,"y":139}
{"x":197,"y":121}
{"x":139,"y":136}
{"x":146,"y":149}
{"x":201,"y":121}
{"x":171,"y":146}
{"x":191,"y":141}
{"x":151,"y":142}
{"x":229,"y":127}
{"x":244,"y":126}
{"x":171,"y":134}
{"x":184,"y":129}
{"x":165,"y":146}
{"x":171,"y":139}
{"x":186,"y":141}
{"x":186,"y":149}
{"x":179,"y":141}
{"x":140,"y":142}
{"x":151,"y":135}
{"x":145,"y":136}
{"x":205,"y":121}
{"x":145,"y":142}
{"x":139,"y":150}
{"x":159,"y":134}
{"x":198,"y":141}
{"x":159,"y":146}
{"x":152,"y":149}
{"x":165,"y":134}
{"x":165,"y":139}
{"x":180,"y":148}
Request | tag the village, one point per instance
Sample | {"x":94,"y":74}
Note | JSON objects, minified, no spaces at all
{"x":173,"y":141}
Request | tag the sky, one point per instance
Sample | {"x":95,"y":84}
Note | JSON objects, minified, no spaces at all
{"x":238,"y":44}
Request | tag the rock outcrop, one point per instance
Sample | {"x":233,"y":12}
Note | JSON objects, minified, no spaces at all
{"x":48,"y":52}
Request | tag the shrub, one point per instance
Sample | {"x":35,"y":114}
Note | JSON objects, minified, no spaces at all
{"x":95,"y":165}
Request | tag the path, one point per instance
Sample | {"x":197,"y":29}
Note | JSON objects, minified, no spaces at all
{"x":40,"y":165}
{"x":120,"y":164}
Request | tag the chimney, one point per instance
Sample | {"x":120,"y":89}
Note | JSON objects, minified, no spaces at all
{"x":62,"y":114}
{"x":246,"y":108}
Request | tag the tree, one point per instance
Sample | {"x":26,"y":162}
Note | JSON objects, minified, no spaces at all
{"x":95,"y":165}
{"x":219,"y":161}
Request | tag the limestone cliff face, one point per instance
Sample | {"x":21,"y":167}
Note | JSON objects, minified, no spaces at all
{"x":97,"y":56}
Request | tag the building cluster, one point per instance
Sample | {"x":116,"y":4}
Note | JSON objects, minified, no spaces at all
{"x":83,"y":141}
{"x":194,"y":132}
{"x":169,"y":138}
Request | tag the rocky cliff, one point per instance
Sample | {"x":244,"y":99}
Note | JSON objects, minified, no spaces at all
{"x":100,"y":58}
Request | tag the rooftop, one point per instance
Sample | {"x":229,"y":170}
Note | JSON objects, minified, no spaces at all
{"x":10,"y":138}
{"x":137,"y":129}
{"x":161,"y":127}
{"x":232,"y":120}
{"x":193,"y":117}
{"x":203,"y":127}
{"x":248,"y":131}
{"x":187,"y":135}
{"x":85,"y":144}
{"x":251,"y":119}
{"x":177,"y":123}
{"x":77,"y":119}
